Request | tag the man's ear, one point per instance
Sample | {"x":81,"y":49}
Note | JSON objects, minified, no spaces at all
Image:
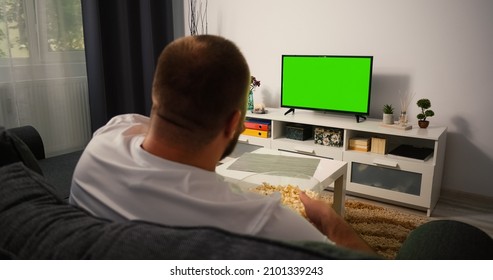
{"x":233,"y":124}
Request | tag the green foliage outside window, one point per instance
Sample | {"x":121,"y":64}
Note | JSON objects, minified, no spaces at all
{"x":12,"y":25}
{"x":61,"y":24}
{"x":64,"y":25}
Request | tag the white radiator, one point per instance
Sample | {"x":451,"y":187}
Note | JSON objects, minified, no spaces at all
{"x":58,"y":109}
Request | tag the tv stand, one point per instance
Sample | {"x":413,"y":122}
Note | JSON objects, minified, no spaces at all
{"x":377,"y":175}
{"x":289,"y":111}
{"x":358,"y":118}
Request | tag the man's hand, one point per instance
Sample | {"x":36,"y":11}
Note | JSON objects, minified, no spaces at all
{"x":318,"y":212}
{"x":332,"y":225}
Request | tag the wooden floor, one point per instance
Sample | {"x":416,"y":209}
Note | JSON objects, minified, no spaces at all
{"x":471,"y":209}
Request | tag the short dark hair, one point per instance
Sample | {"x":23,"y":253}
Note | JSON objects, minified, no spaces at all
{"x":199,"y":82}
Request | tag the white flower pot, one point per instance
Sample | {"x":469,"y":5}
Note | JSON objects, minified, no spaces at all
{"x":388,"y":118}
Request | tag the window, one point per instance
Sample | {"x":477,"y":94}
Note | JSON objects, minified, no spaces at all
{"x":44,"y":31}
{"x":43,"y":79}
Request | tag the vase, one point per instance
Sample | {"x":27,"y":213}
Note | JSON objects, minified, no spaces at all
{"x":250,"y":101}
{"x":403,"y":118}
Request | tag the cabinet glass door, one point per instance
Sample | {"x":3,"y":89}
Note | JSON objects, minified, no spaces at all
{"x":386,"y":178}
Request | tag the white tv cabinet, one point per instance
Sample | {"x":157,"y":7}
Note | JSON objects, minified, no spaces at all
{"x":402,"y":181}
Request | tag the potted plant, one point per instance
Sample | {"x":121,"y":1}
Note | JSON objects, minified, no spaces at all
{"x":425,"y":105}
{"x":388,"y":114}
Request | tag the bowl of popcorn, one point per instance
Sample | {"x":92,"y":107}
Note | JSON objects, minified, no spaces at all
{"x":286,"y":184}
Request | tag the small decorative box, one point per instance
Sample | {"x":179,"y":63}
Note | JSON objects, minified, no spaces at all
{"x":329,"y":136}
{"x":361,"y":144}
{"x":298,"y":131}
{"x":378,"y":145}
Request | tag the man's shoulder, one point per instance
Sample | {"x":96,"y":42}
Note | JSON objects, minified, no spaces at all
{"x":128,"y":118}
{"x":123,"y":122}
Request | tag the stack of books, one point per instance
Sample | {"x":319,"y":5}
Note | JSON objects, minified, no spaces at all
{"x":257,"y":127}
{"x":359,"y":144}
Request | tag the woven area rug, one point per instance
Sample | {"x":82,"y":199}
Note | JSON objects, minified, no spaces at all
{"x":384,"y":229}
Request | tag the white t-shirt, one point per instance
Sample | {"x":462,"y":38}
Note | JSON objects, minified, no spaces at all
{"x":116,"y":179}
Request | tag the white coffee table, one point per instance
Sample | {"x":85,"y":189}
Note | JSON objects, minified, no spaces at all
{"x":328,"y":172}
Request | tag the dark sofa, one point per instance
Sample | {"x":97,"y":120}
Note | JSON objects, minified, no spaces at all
{"x":36,"y":222}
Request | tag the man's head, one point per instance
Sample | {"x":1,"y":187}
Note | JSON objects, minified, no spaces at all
{"x":199,"y":83}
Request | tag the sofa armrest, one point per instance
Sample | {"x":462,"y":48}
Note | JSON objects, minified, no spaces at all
{"x":30,"y":136}
{"x":13,"y":149}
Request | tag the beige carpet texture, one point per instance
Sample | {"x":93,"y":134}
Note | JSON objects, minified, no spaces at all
{"x":384,"y":229}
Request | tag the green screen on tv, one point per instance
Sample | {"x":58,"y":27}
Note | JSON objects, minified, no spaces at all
{"x":329,"y":83}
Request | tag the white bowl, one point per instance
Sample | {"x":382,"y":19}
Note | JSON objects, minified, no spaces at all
{"x":287,"y":185}
{"x":277,"y":178}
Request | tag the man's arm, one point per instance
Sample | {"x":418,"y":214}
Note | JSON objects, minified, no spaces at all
{"x":332,"y":225}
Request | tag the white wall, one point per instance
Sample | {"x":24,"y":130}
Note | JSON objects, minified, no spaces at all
{"x":440,"y":49}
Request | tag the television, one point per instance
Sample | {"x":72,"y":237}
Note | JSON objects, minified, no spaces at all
{"x":336,"y":83}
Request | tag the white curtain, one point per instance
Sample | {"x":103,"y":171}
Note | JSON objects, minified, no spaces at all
{"x":43,"y":79}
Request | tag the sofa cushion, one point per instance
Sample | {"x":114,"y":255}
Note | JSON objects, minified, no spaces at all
{"x":4,"y":255}
{"x":58,"y":171}
{"x":36,"y":224}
